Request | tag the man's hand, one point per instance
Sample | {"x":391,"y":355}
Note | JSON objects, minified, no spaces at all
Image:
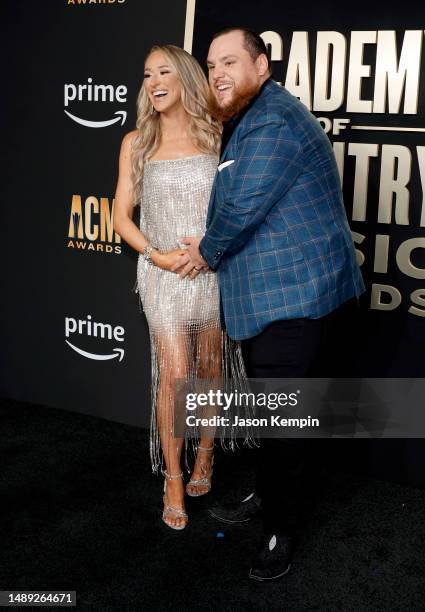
{"x":196,"y":261}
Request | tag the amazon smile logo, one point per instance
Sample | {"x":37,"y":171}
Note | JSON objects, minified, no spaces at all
{"x":91,"y":92}
{"x":87,"y":327}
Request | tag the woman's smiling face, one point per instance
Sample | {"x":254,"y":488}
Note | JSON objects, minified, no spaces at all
{"x":162,"y":84}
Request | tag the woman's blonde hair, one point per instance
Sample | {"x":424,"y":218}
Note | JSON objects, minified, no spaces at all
{"x":203,"y":129}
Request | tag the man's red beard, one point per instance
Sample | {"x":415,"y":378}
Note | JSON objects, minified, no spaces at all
{"x":242,"y":96}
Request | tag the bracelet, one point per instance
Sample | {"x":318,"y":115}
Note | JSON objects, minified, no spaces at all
{"x":147,"y":252}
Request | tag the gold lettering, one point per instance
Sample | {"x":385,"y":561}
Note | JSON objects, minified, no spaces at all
{"x":76,"y":218}
{"x":396,"y":163}
{"x":375,"y":299}
{"x":107,"y":233}
{"x":91,"y":207}
{"x":403,"y":257}
{"x":298,"y":71}
{"x":418,"y":298}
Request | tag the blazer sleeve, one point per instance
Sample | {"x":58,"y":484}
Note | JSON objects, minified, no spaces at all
{"x":268,"y":163}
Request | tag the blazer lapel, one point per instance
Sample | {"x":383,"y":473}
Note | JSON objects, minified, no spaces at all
{"x":267,"y":87}
{"x":226,"y":149}
{"x":214,"y":186}
{"x":223,"y":158}
{"x":212,"y":202}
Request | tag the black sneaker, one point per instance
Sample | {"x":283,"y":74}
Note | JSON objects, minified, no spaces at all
{"x":273,"y":558}
{"x":237,"y":512}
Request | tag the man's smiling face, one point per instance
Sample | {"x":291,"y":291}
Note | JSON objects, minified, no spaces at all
{"x":231,"y":69}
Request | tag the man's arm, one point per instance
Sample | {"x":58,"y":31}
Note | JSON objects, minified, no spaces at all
{"x":269,"y":161}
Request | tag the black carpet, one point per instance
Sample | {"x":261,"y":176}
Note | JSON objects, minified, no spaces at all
{"x":80,"y":510}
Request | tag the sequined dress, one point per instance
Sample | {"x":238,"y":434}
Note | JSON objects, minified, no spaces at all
{"x":187,"y":341}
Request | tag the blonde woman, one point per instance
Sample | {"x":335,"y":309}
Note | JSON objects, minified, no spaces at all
{"x":167,"y":165}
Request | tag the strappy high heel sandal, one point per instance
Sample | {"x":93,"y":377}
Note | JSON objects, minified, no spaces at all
{"x":193,"y":487}
{"x":171,"y":511}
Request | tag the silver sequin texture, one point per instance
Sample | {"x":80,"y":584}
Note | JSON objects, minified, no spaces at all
{"x":187,"y":342}
{"x":174,"y":205}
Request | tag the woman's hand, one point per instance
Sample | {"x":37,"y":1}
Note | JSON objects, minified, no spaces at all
{"x":175,"y":259}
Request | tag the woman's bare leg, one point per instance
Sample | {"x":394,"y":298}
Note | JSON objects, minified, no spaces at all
{"x":172,"y":356}
{"x":208,"y":364}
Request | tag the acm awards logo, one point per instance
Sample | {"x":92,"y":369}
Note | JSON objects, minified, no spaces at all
{"x":81,"y":329}
{"x":83,"y":2}
{"x":90,"y":226}
{"x":88,"y":93}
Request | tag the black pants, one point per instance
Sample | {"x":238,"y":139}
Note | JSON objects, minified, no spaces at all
{"x":285,"y":349}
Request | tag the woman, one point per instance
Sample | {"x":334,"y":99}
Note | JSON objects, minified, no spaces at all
{"x":168,"y":165}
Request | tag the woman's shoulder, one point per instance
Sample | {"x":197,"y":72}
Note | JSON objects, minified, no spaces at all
{"x":129,"y":138}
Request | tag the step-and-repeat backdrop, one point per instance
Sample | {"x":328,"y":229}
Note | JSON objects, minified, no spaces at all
{"x":74,"y":336}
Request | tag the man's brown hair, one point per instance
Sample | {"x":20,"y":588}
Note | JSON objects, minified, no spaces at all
{"x":253,"y":42}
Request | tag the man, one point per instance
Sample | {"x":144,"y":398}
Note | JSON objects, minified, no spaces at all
{"x":278,"y":237}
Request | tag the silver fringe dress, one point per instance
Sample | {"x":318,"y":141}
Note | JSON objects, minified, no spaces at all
{"x":187,"y":342}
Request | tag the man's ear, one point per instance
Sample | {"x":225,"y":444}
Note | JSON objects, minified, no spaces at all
{"x":262,"y":64}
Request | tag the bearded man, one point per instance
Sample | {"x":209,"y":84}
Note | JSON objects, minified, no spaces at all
{"x":278,"y":236}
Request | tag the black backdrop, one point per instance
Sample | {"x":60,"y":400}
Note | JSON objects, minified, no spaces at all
{"x":49,"y":158}
{"x":66,"y":270}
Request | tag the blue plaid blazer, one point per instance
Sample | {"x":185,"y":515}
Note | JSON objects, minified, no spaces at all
{"x":277,"y":232}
